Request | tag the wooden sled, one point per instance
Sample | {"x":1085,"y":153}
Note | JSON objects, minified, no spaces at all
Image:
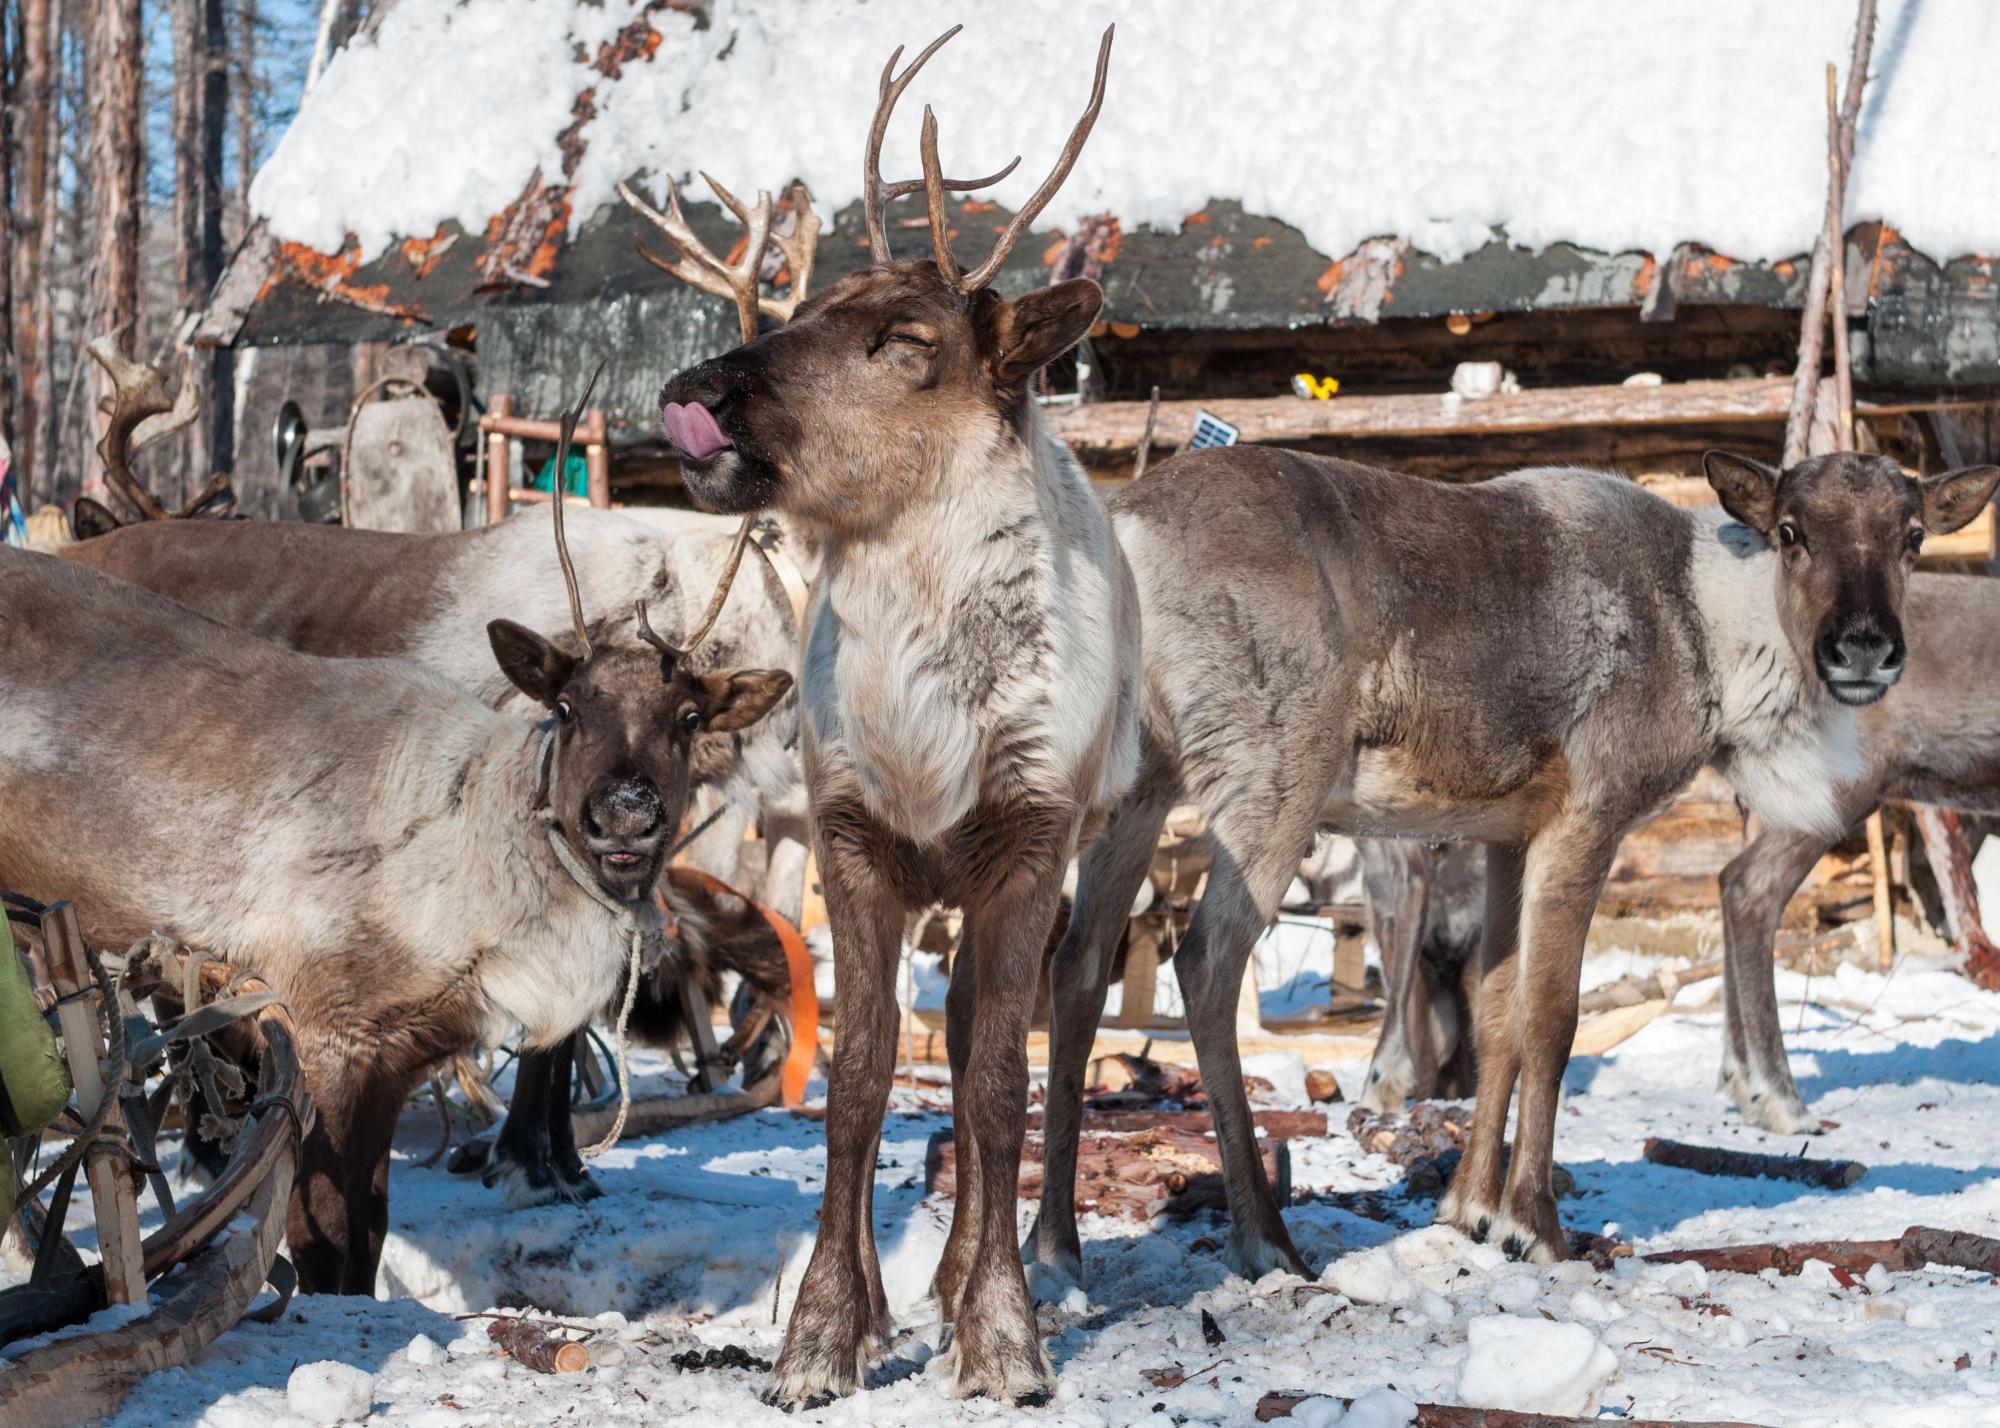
{"x":222,"y":1264}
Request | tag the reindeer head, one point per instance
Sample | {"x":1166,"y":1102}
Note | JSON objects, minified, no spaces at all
{"x":624,"y":725}
{"x":884,"y":383}
{"x":624,"y":721}
{"x":1847,"y":529}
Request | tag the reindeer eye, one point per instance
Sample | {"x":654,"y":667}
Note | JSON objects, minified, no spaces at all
{"x":1788,"y":534}
{"x":563,"y":710}
{"x":1915,"y":539}
{"x":907,"y":338}
{"x":691,"y":721}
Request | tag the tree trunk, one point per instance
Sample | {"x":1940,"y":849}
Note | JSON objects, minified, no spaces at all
{"x":220,"y":421}
{"x":190,"y":289}
{"x":116,"y":40}
{"x":8,"y":70}
{"x":26,"y":216}
{"x":246,"y":113}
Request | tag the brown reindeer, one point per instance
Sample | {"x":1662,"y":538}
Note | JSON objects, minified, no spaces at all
{"x":414,"y":871}
{"x":1936,"y":742}
{"x":1534,"y":663}
{"x":1423,"y":904}
{"x":970,"y":696}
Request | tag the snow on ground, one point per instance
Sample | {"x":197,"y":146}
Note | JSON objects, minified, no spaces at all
{"x":698,"y":1229}
{"x":1616,"y":127}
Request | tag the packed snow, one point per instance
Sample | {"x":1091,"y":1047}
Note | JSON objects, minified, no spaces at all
{"x":702,"y":1236}
{"x":1617,"y":127}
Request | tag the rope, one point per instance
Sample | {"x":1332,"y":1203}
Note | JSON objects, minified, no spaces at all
{"x":628,"y":922}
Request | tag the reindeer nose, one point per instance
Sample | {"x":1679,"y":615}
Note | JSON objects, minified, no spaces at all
{"x":626,"y":812}
{"x":1861,"y":652}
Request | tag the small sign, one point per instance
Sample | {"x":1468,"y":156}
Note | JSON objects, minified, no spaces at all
{"x":1210,"y":430}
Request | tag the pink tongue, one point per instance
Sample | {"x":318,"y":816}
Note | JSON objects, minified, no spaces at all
{"x":691,"y":426}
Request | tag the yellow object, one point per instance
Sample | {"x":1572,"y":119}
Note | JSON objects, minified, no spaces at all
{"x":1305,"y":384}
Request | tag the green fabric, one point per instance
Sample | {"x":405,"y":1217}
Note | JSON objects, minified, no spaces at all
{"x":34,"y":1083}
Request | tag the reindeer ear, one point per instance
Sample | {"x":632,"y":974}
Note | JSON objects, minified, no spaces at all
{"x":533,"y":665}
{"x":1749,"y":489}
{"x":88,"y":519}
{"x":1951,"y":498}
{"x":1027,"y":333}
{"x":738,"y":698}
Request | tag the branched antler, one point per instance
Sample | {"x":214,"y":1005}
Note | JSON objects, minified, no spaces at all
{"x":566,"y":433}
{"x":715,"y":603}
{"x":137,"y":413}
{"x":877,"y":196}
{"x":935,"y":187}
{"x":698,"y":266}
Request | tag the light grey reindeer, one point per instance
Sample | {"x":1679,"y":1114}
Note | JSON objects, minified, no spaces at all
{"x":970,"y":702}
{"x":350,"y":593}
{"x":1532,"y":662}
{"x":413,"y":871}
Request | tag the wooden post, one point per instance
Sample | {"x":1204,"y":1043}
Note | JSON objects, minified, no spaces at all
{"x":111,"y":1187}
{"x":1885,"y":917}
{"x":597,"y":458}
{"x":497,"y":480}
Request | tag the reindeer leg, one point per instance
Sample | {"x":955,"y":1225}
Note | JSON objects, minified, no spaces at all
{"x":339,"y":1211}
{"x":1405,"y":1062}
{"x":1113,"y":868}
{"x":960,"y":1000}
{"x":1562,"y":878}
{"x":1252,"y":867}
{"x":1473,"y":1198}
{"x":996,"y":1349}
{"x":1756,"y":885}
{"x":839,"y":1318}
{"x":522,"y":1158}
{"x":572,"y":1181}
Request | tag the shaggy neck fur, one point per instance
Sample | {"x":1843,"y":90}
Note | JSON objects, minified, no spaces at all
{"x":965,"y":648}
{"x":1784,"y":742}
{"x":538,"y":949}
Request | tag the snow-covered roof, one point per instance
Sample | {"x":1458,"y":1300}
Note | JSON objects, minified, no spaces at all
{"x":1630,"y":127}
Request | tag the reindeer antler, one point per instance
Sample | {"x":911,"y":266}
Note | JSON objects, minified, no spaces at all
{"x":698,"y":267}
{"x":876,"y":195}
{"x":138,"y":413}
{"x":566,"y":432}
{"x":935,"y":187}
{"x":715,"y":603}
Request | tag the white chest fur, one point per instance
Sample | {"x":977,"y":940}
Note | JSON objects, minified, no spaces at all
{"x":1788,"y":745}
{"x":973,"y":654}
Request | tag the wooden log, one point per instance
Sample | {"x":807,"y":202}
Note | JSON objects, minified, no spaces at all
{"x":1878,"y":879}
{"x":1165,"y":1171}
{"x":533,"y":1347}
{"x":1916,"y":1248}
{"x":1273,"y":1406}
{"x":652,"y":1115}
{"x":1283,"y":1125}
{"x":499,"y":409}
{"x":1119,"y":426}
{"x":1718,"y":1160}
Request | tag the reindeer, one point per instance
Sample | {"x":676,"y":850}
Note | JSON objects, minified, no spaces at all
{"x":970,"y":701}
{"x":1423,"y":911}
{"x":1938,"y":743}
{"x":414,"y":871}
{"x":338,"y":592}
{"x":1533,"y":663}
{"x":1935,"y":743}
